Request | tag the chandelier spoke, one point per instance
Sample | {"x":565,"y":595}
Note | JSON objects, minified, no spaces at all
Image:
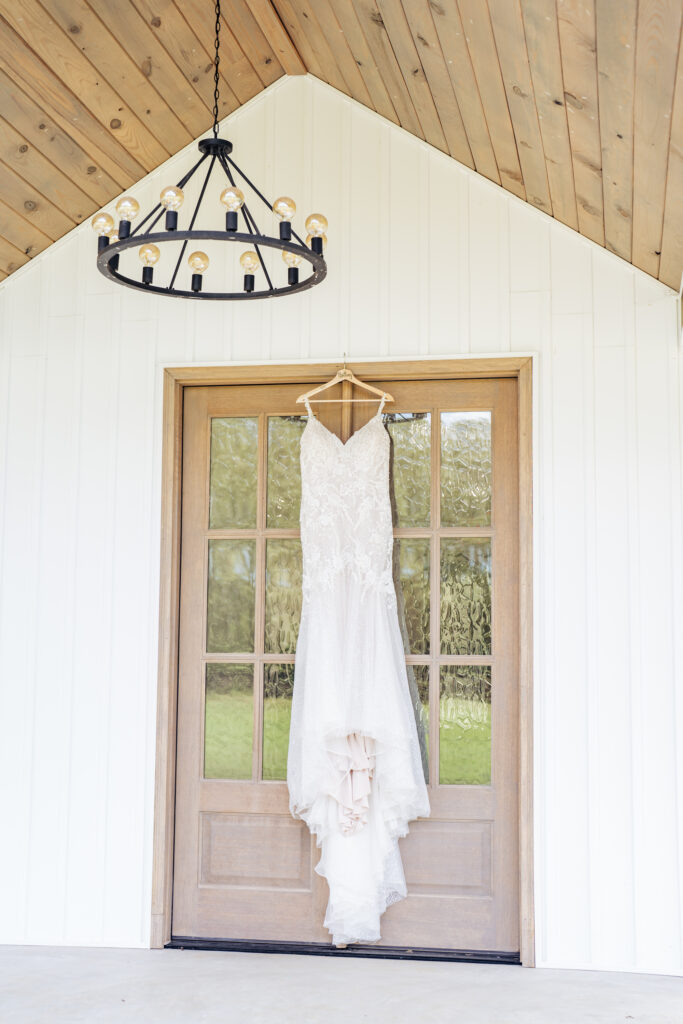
{"x":194,"y":217}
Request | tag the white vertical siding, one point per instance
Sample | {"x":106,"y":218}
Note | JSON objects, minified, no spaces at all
{"x":425,"y":258}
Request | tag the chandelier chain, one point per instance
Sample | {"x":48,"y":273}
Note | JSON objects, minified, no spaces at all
{"x":216,"y":62}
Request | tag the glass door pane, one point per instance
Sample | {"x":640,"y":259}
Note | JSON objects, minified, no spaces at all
{"x":465,"y":725}
{"x":233,"y":471}
{"x":465,"y":468}
{"x":228,"y":721}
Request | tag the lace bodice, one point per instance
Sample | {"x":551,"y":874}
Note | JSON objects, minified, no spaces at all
{"x":346,"y":525}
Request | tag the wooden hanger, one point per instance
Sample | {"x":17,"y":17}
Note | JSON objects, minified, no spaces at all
{"x":341,"y":375}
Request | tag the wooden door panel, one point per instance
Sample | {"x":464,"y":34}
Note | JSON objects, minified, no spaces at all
{"x":448,"y":858}
{"x":236,"y":850}
{"x":244,"y":869}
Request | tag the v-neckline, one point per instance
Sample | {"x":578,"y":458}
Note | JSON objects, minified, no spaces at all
{"x":343,"y":444}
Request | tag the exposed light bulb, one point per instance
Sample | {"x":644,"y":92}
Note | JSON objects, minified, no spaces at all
{"x":309,"y":239}
{"x":284,"y":208}
{"x":127,"y":208}
{"x":171,"y":198}
{"x":316,"y":224}
{"x":102,"y":224}
{"x":149,"y":254}
{"x":198,"y":261}
{"x":232,"y":198}
{"x":249,"y":262}
{"x":113,"y":237}
{"x":292,"y":259}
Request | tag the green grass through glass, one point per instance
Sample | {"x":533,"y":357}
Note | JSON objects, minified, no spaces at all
{"x":278,"y":688}
{"x":231,"y":596}
{"x":228,"y":721}
{"x":465,"y":725}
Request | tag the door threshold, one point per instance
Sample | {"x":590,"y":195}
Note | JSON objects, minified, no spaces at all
{"x":323,"y":949}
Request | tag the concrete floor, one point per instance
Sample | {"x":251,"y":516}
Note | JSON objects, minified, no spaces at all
{"x":67,"y":985}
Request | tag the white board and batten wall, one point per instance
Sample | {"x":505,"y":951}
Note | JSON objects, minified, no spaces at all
{"x":425,"y":258}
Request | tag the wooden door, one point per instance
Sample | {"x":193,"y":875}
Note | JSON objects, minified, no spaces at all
{"x":243,"y":866}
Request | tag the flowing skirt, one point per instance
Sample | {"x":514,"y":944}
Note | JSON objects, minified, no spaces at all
{"x":354,"y":768}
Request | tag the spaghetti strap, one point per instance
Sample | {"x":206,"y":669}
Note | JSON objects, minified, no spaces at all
{"x":308,"y":407}
{"x":381,"y":405}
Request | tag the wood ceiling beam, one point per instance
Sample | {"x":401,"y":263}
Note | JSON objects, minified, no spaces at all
{"x":576,"y":23}
{"x":543,"y":48}
{"x":575,"y":105}
{"x":39,"y":172}
{"x":314,"y":52}
{"x":431,"y":57}
{"x":11,"y":258}
{"x":110,"y":59}
{"x":30,"y":20}
{"x":671,"y":260}
{"x":448,"y":25}
{"x":43,"y":132}
{"x":32,"y":204}
{"x":160,"y":70}
{"x":361,"y":53}
{"x":657,"y":45}
{"x":234,"y":67}
{"x":616,"y":45}
{"x":338,"y":47}
{"x":186,"y":51}
{"x":373,"y":28}
{"x":33,"y":75}
{"x":254,"y":43}
{"x":508,"y":32}
{"x":328,"y":58}
{"x":482,"y":48}
{"x":273,"y":29}
{"x":27,"y":237}
{"x":393,"y":22}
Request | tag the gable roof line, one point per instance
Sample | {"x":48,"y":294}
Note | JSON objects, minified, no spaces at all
{"x":284,"y":83}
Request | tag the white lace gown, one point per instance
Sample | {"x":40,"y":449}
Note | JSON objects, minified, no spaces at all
{"x":354,"y":767}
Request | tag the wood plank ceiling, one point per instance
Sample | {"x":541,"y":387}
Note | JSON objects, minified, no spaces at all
{"x":575,"y":106}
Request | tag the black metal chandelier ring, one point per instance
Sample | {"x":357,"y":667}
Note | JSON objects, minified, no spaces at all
{"x":106,"y":262}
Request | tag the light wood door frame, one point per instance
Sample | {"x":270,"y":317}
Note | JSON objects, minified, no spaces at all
{"x":175,"y":381}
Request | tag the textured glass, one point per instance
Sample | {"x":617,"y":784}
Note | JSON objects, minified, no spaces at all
{"x":411,"y":571}
{"x":418,"y":684}
{"x":284,"y":470}
{"x":278,"y":687}
{"x":283,"y":595}
{"x":465,"y":725}
{"x":230,"y":599}
{"x":410,"y":469}
{"x":465,"y":596}
{"x":228,"y":721}
{"x":234,"y":472}
{"x":465,"y":468}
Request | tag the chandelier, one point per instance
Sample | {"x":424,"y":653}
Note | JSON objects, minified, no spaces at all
{"x":257,"y":280}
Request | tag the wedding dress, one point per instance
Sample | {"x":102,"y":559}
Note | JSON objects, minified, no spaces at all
{"x":354,"y":767}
